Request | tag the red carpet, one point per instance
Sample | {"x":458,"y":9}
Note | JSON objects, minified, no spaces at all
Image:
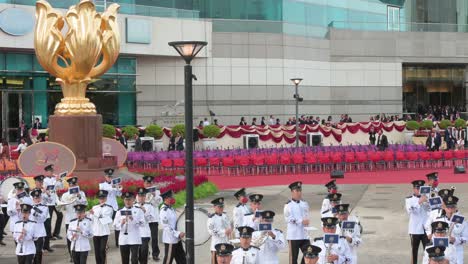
{"x":377,"y":177}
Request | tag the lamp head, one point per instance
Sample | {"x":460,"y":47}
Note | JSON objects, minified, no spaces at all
{"x":296,"y":81}
{"x":188,"y":49}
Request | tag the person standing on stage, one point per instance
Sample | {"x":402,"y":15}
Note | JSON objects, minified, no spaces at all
{"x":145,"y":231}
{"x":80,"y":230}
{"x":173,"y":248}
{"x":219,"y":226}
{"x":128,"y":220}
{"x":418,"y":211}
{"x":25,"y":233}
{"x":101,"y":215}
{"x":113,"y":191}
{"x":296,"y":215}
{"x":70,"y":211}
{"x":53,"y":180}
{"x":240,"y":210}
{"x":153,"y":196}
{"x":40,"y":213}
{"x":273,"y":243}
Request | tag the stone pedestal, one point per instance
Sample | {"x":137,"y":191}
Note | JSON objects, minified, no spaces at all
{"x":83,"y":135}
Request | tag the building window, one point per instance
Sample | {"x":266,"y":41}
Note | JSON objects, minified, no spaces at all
{"x":393,"y":18}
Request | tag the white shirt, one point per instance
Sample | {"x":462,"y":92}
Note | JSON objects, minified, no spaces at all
{"x":26,"y":245}
{"x":102,"y":218}
{"x":169,"y":221}
{"x":51,"y":200}
{"x":81,"y":242}
{"x":418,"y":214}
{"x":145,"y":230}
{"x":69,"y":209}
{"x":294,"y":213}
{"x":12,"y":210}
{"x":271,"y":247}
{"x":325,"y":206}
{"x":130,"y":231}
{"x":21,"y":147}
{"x":217,"y":225}
{"x":238,"y":216}
{"x":249,"y":256}
{"x":206,"y":123}
{"x":355,"y":234}
{"x":112,"y":194}
{"x":39,"y":214}
{"x":341,"y":249}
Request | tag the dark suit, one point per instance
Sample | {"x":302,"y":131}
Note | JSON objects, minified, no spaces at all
{"x":435,"y":146}
{"x":180,"y":144}
{"x":138,"y":145}
{"x":372,"y":138}
{"x":382,"y":142}
{"x":123,"y":141}
{"x":438,"y":140}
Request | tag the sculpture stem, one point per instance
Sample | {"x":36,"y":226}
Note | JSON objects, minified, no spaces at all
{"x":74,"y":101}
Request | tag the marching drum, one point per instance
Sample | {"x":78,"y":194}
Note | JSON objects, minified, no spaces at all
{"x":7,"y":190}
{"x":200,"y":217}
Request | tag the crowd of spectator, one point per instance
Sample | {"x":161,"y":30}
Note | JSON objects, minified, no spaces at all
{"x":438,"y":113}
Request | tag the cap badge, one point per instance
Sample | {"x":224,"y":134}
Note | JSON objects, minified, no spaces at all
{"x":450,"y":199}
{"x":244,"y":230}
{"x":341,"y":208}
{"x":437,"y":250}
{"x":299,"y":184}
{"x":223,"y":247}
{"x":446,"y":192}
{"x":309,"y":249}
{"x":329,"y":220}
{"x":257,"y":197}
{"x":439,"y":225}
{"x":221,"y":200}
{"x":25,"y":207}
{"x":268,"y":214}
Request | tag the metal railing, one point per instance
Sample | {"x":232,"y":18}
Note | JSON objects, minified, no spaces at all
{"x":399,"y":27}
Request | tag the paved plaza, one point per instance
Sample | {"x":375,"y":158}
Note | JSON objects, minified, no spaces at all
{"x":379,"y":207}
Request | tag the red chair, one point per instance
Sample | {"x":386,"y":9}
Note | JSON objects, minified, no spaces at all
{"x":298,"y":161}
{"x":285,"y":162}
{"x":401,"y":160}
{"x":412,"y":158}
{"x":179,"y":164}
{"x":166,"y":164}
{"x":425,"y":159}
{"x":376,"y":159}
{"x":271,"y":162}
{"x":312,"y":162}
{"x":389,"y":159}
{"x":215,"y":163}
{"x":350,"y":161}
{"x":243,"y":162}
{"x":337,"y":160}
{"x":258,"y":161}
{"x":201,"y":163}
{"x":459,"y":157}
{"x":229,"y":164}
{"x":448,"y":158}
{"x":325,"y":161}
{"x":363,"y":160}
{"x":436,"y":159}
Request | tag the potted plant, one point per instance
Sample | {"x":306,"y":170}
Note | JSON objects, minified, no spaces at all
{"x":130,"y":132}
{"x":156,"y":132}
{"x":108,"y":131}
{"x":460,"y":123}
{"x":443,"y":124}
{"x":411,"y":127}
{"x":427,"y":125}
{"x":211,"y":132}
{"x":178,"y":129}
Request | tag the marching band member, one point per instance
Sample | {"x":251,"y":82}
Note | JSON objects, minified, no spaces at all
{"x":240,"y":210}
{"x":252,"y":219}
{"x":46,"y":199}
{"x":436,"y":212}
{"x":40,"y":213}
{"x":113,"y":192}
{"x":79,"y":232}
{"x":128,"y":220}
{"x":13,"y":207}
{"x":334,"y":200}
{"x":3,"y":219}
{"x":53,"y":180}
{"x":437,"y":255}
{"x":173,"y":248}
{"x":224,"y":253}
{"x":273,"y":243}
{"x":439,"y":230}
{"x":352,"y":236}
{"x":339,"y":253}
{"x":433,"y":181}
{"x":145,"y":231}
{"x":25,"y":233}
{"x":155,"y":200}
{"x":246,"y":253}
{"x":331,"y":189}
{"x":70,"y":211}
{"x":296,"y":215}
{"x":218,"y":226}
{"x":311,"y":253}
{"x":418,"y":211}
{"x":101,"y":215}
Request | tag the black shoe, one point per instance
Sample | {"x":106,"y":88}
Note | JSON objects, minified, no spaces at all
{"x":58,"y":237}
{"x":53,"y":238}
{"x":49,"y":249}
{"x":71,"y":260}
{"x":156,"y":258}
{"x":2,"y":243}
{"x":4,"y":233}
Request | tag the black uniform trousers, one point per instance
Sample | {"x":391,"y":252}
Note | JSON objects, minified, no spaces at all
{"x":154,"y":239}
{"x":2,"y":225}
{"x":415,"y":240}
{"x":26,"y":259}
{"x":126,"y":251}
{"x":144,"y":250}
{"x":116,"y":232}
{"x":100,"y":248}
{"x":48,"y":227}
{"x":80,"y":257}
{"x":294,"y":248}
{"x":174,"y":251}
{"x":58,"y":221}
{"x":39,"y":243}
{"x":68,"y":242}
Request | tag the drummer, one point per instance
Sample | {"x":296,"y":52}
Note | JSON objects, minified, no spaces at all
{"x":13,"y":207}
{"x":52,"y":179}
{"x":224,"y":253}
{"x":70,"y":211}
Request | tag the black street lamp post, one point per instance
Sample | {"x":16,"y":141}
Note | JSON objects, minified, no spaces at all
{"x":188,"y":50}
{"x":298,"y":99}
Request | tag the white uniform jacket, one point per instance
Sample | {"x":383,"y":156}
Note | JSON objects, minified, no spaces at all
{"x":269,"y":250}
{"x":246,"y":256}
{"x":25,"y":246}
{"x":341,"y":249}
{"x":130,"y":231}
{"x":418,"y":214}
{"x":102,"y":218}
{"x":85,"y":232}
{"x":168,"y":219}
{"x":217,"y":226}
{"x":112,"y":194}
{"x":294,"y":213}
{"x":39,"y":214}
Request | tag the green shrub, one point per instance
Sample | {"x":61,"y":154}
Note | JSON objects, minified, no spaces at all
{"x":412,"y":125}
{"x":444,"y":124}
{"x":154,"y":131}
{"x":211,"y":131}
{"x":460,"y":123}
{"x":202,"y":191}
{"x":108,"y":131}
{"x":427,"y":124}
{"x":179,"y":128}
{"x":131,"y":131}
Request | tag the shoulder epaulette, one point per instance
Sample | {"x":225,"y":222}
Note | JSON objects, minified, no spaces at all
{"x":18,"y":222}
{"x":74,"y":219}
{"x":239,"y":204}
{"x":288,"y":201}
{"x":255,"y":247}
{"x":278,"y":230}
{"x":342,"y":237}
{"x":210,"y":215}
{"x":248,"y":214}
{"x":407,"y":197}
{"x":164,"y":208}
{"x":89,"y":218}
{"x":318,"y":239}
{"x":326,"y":211}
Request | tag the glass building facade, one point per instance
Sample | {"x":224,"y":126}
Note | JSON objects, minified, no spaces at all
{"x":27,"y":91}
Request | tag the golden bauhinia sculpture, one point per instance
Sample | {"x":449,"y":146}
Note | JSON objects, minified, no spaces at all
{"x":88,"y":49}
